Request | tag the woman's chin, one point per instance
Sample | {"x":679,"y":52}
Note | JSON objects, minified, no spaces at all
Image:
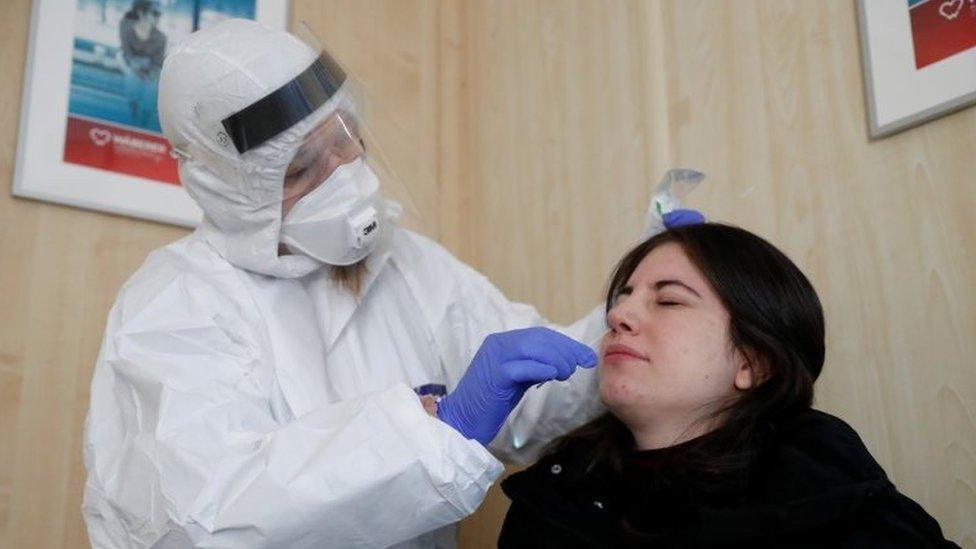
{"x":616,"y":396}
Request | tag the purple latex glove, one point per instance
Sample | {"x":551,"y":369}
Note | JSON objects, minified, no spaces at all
{"x":505,"y":365}
{"x":683,"y":218}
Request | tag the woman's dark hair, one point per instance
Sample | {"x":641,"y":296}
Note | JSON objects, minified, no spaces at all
{"x":141,"y":7}
{"x":775,"y":319}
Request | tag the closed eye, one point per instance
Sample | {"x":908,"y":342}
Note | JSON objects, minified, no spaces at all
{"x":297,"y":172}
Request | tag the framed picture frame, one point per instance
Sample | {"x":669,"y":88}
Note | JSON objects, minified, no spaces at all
{"x":919,"y":60}
{"x":89,"y":133}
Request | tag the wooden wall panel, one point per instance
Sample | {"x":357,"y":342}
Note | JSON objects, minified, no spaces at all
{"x":529,"y":135}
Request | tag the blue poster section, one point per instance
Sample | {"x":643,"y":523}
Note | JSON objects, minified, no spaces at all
{"x":118,"y":46}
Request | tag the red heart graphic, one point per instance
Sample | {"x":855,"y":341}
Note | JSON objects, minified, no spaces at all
{"x":100,"y":136}
{"x":950,"y":8}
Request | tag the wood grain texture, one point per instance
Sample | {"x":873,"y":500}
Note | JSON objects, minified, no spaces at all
{"x":529,"y":134}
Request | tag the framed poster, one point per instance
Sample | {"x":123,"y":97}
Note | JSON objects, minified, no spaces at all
{"x":89,"y":132}
{"x":919,"y":60}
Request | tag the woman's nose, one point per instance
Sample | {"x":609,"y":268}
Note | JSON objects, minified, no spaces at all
{"x":621,"y":320}
{"x":329,"y":164}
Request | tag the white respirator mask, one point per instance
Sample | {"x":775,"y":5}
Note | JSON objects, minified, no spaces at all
{"x":342,"y":220}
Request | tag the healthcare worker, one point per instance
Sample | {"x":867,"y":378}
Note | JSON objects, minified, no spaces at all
{"x":258,"y":380}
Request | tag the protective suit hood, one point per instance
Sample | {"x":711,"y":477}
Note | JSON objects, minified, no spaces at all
{"x":216,"y":72}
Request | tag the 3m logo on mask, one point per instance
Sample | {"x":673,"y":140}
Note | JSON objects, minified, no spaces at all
{"x":363,"y":226}
{"x":370,"y":228}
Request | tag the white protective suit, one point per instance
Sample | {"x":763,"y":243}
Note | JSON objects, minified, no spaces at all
{"x":242,"y":399}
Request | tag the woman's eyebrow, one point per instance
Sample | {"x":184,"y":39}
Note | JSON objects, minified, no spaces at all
{"x":670,"y":282}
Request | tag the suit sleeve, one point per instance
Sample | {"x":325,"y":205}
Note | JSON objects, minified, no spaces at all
{"x":465,"y":307}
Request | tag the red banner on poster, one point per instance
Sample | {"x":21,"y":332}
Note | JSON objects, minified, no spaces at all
{"x":941,"y":29}
{"x":118,"y":149}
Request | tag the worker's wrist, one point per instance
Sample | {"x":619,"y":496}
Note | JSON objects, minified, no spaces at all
{"x":429,"y":403}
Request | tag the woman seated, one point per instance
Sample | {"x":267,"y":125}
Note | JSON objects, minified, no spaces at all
{"x":708,"y":369}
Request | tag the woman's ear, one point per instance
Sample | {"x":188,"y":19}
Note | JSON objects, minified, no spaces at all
{"x":752,"y":370}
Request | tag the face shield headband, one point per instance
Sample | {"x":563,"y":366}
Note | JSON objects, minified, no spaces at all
{"x":281,"y":109}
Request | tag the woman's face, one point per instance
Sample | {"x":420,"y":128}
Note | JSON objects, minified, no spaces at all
{"x":668,"y":359}
{"x":331,"y":144}
{"x":149,"y":18}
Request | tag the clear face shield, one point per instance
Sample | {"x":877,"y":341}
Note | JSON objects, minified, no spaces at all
{"x":339,"y":197}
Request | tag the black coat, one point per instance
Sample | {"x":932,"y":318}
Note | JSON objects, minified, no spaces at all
{"x":813,"y":484}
